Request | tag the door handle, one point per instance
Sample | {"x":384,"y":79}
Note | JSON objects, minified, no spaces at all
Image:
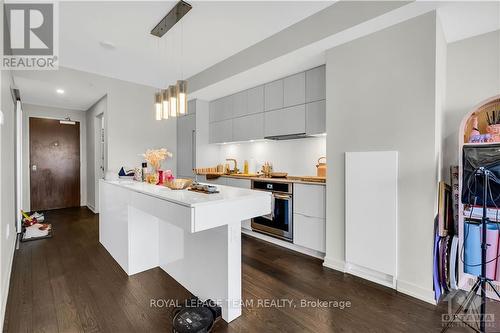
{"x":281,"y":196}
{"x":33,"y":167}
{"x":193,"y":150}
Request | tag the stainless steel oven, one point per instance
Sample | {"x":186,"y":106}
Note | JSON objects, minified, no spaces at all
{"x":280,"y":222}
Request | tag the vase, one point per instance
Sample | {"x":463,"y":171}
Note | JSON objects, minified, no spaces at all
{"x":160,"y":177}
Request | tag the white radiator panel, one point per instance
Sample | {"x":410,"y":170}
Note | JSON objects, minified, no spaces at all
{"x":371,"y":215}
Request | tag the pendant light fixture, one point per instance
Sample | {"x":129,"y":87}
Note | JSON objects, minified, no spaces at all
{"x":158,"y":106}
{"x":182,"y":97}
{"x":173,"y":100}
{"x":165,"y":104}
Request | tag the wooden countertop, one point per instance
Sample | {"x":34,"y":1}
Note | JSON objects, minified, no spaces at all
{"x":312,"y":180}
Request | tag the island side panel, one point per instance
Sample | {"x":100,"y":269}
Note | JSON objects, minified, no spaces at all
{"x":113,"y":222}
{"x":207,"y":263}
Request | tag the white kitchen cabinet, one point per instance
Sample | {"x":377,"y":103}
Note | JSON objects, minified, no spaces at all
{"x":285,"y":121}
{"x":249,"y":127}
{"x":316,"y":117}
{"x":273,"y":95}
{"x":315,"y":84}
{"x":241,"y":183}
{"x":309,"y":232}
{"x":294,"y":89}
{"x":217,"y":181}
{"x":240,"y":104}
{"x":221,"y":131}
{"x":191,"y":107}
{"x":255,"y":100}
{"x":186,"y":145}
{"x":221,"y":109}
{"x":309,"y":200}
{"x":309,"y":216}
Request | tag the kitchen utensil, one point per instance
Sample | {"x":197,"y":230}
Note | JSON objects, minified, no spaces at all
{"x":321,"y":167}
{"x":267,"y":169}
{"x":178,"y":184}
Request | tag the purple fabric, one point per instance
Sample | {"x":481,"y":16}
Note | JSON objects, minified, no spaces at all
{"x":437,"y":286}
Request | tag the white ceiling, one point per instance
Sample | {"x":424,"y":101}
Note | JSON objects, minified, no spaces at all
{"x":39,"y":88}
{"x":466,"y":19}
{"x":211,"y":32}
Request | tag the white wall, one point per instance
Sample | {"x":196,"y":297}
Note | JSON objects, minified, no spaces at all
{"x":297,"y":157}
{"x":7,"y":188}
{"x":381,"y":95}
{"x":38,"y":111}
{"x":93,"y":154}
{"x":473,"y":75}
{"x":130,"y":120}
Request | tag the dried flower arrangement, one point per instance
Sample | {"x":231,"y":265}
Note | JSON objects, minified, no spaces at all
{"x":155,"y":156}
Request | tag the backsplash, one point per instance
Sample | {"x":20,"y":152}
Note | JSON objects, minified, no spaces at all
{"x":297,"y":157}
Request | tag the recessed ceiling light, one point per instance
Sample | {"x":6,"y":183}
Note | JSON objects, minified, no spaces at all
{"x":107,"y":45}
{"x":60,"y":91}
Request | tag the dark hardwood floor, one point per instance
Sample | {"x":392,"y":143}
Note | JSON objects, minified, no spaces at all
{"x":71,"y":284}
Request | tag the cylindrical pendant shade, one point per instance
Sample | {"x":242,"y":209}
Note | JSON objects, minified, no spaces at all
{"x":182,"y":97}
{"x":165,"y":104}
{"x":158,"y":106}
{"x":173,"y":100}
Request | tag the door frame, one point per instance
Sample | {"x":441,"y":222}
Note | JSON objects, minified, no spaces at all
{"x":32,"y":112}
{"x":99,"y":149}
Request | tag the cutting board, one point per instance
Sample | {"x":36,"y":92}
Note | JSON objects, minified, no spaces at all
{"x":309,"y":178}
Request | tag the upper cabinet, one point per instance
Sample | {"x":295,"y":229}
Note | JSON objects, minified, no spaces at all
{"x":273,"y":95}
{"x":255,"y":100}
{"x":221,"y":109}
{"x":315,"y":84}
{"x":240,"y":104}
{"x":294,"y":90}
{"x":285,"y":121}
{"x":221,"y":131}
{"x":289,"y":106}
{"x":249,"y":127}
{"x":316,"y":117}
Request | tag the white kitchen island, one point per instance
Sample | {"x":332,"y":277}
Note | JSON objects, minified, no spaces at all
{"x":194,"y":237}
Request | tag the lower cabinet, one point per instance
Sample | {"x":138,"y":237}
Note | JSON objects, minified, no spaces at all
{"x":236,"y":182}
{"x":309,"y":232}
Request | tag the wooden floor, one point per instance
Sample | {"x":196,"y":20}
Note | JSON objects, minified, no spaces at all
{"x":71,"y":284}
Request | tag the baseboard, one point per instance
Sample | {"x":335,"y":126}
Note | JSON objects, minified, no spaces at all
{"x":6,"y":284}
{"x":371,"y":275}
{"x":415,"y":291}
{"x":338,"y":265}
{"x":282,"y":243}
{"x":92,"y":208}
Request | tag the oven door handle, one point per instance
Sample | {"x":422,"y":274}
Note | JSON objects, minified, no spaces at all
{"x":282,"y":196}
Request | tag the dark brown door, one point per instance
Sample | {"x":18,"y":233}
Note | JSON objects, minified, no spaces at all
{"x":54,"y":164}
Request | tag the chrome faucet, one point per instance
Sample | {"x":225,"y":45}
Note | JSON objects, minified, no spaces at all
{"x":235,"y":170}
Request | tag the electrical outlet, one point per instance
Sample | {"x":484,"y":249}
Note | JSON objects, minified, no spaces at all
{"x":7,"y":231}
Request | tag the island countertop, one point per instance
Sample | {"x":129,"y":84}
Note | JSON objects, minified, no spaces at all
{"x":188,"y":198}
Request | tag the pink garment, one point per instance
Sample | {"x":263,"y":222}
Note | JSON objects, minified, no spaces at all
{"x":492,"y":251}
{"x":497,"y":278}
